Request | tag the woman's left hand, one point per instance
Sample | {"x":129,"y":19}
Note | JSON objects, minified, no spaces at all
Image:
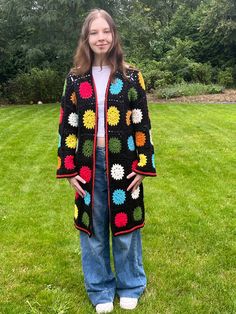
{"x":136,"y":181}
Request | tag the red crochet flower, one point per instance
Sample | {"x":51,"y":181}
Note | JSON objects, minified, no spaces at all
{"x":61,"y":115}
{"x":85,"y":173}
{"x":76,"y":195}
{"x":85,"y":90}
{"x":121,"y":220}
{"x":134,"y":164}
{"x":69,"y":162}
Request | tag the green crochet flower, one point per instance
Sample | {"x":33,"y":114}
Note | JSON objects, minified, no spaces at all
{"x":85,"y":219}
{"x":137,"y":213}
{"x":114,"y":145}
{"x":132,"y":94}
{"x":87,"y":148}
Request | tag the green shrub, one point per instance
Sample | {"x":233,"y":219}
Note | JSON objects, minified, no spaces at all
{"x":186,"y":89}
{"x":37,"y":85}
{"x":225,"y":77}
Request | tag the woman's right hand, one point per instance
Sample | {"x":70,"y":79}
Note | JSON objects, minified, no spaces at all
{"x":74,"y":182}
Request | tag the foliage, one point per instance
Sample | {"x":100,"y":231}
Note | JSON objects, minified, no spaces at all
{"x":185,"y":89}
{"x":37,"y":85}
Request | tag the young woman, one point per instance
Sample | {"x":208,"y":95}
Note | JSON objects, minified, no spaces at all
{"x":105,"y":151}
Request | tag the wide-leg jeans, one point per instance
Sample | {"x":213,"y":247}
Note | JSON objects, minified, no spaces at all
{"x":101,"y":283}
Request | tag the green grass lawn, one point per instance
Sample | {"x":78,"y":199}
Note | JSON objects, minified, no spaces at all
{"x":189,"y":249}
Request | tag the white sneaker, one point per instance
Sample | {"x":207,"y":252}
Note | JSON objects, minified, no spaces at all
{"x":128,"y":303}
{"x":104,"y":307}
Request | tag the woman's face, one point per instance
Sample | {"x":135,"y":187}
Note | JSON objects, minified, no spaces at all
{"x":100,"y":37}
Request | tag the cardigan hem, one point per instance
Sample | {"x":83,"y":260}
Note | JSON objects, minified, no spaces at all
{"x":129,"y":230}
{"x":153,"y":174}
{"x":83,"y":229}
{"x":61,"y":176}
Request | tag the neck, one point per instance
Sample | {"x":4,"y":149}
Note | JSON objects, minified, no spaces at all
{"x":99,"y":60}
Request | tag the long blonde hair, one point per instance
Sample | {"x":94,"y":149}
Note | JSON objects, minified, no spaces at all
{"x":83,"y":58}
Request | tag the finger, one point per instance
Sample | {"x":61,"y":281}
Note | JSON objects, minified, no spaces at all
{"x":132,"y":184}
{"x":136,"y":186}
{"x":79,"y":178}
{"x":79,"y":189}
{"x":130,"y":175}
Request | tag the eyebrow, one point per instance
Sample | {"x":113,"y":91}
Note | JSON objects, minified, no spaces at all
{"x":106,"y":28}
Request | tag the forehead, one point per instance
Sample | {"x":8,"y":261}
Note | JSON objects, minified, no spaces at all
{"x":99,"y":23}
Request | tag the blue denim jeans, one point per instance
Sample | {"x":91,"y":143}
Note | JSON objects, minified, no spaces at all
{"x":100,"y":282}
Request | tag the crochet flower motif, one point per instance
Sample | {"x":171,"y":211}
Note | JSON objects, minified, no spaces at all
{"x":58,"y":162}
{"x":85,"y":219}
{"x":73,"y":98}
{"x":113,"y":116}
{"x":64,"y":88}
{"x":71,"y":141}
{"x":87,"y":198}
{"x":141,"y":80}
{"x":118,"y":197}
{"x":153,"y":160}
{"x":117,"y":172}
{"x":142,"y":160}
{"x":114,"y":145}
{"x":137,"y":213}
{"x":61,"y":115}
{"x":121,"y":220}
{"x":73,"y":119}
{"x":136,"y":193}
{"x":59,"y":140}
{"x":132,"y":94}
{"x":150,"y":135}
{"x":69,"y":162}
{"x":130,"y":142}
{"x":85,"y":90}
{"x":134,"y":164}
{"x":89,"y":119}
{"x":76,"y":212}
{"x":87,"y":148}
{"x":128,"y":117}
{"x":76,"y":195}
{"x":116,"y":87}
{"x":140,"y":138}
{"x":85,"y":173}
{"x":137,"y":116}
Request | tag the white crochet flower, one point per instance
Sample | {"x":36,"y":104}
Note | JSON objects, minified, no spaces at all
{"x":117,"y":172}
{"x":150,"y":133}
{"x":73,"y":119}
{"x":137,"y":115}
{"x":135,"y":194}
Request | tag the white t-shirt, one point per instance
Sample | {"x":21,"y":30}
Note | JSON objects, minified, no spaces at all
{"x":101,"y":79}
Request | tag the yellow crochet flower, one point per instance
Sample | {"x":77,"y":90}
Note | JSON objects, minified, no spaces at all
{"x":71,"y":141}
{"x":128,"y":117}
{"x":76,"y":212}
{"x":141,"y":80}
{"x":142,"y":160}
{"x":113,"y":116}
{"x":89,"y":119}
{"x":73,"y":98}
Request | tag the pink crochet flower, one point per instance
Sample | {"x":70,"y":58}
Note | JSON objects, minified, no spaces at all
{"x":134,"y":164}
{"x":69,"y":162}
{"x":61,"y":115}
{"x":85,"y":90}
{"x":85,"y":173}
{"x":121,"y":220}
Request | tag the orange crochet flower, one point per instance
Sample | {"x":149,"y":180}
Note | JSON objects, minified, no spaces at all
{"x":128,"y":117}
{"x":73,"y":98}
{"x":140,"y":138}
{"x":58,"y":162}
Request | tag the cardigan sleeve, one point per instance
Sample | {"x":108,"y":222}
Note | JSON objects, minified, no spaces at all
{"x":68,"y":130}
{"x":142,"y":127}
